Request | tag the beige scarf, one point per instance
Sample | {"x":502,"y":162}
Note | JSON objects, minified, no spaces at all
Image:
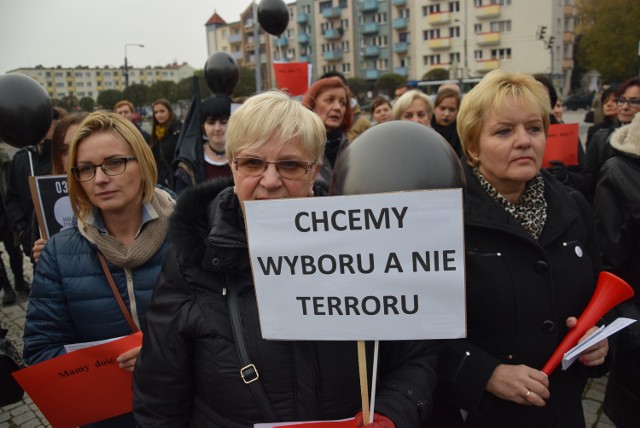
{"x":146,"y":244}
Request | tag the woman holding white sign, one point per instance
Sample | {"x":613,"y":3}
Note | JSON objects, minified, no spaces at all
{"x":122,"y":220}
{"x":204,"y":361}
{"x":532,"y":262}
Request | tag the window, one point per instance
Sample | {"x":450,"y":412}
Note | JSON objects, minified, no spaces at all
{"x":379,"y":41}
{"x":343,"y":4}
{"x":344,"y":23}
{"x":328,"y":68}
{"x":477,"y":54}
{"x":404,"y":13}
{"x":454,"y":6}
{"x":345,"y":46}
{"x":382,"y":64}
{"x":477,"y":28}
{"x":501,"y":53}
{"x":306,"y":9}
{"x":431,"y":59}
{"x":323,"y":5}
{"x":80,"y":84}
{"x":500,"y":26}
{"x":380,"y":18}
{"x":500,"y":2}
{"x":477,"y":3}
{"x":434,"y":8}
{"x":454,"y":32}
{"x":59,"y":74}
{"x":403,"y":37}
{"x":454,"y":57}
{"x":430,"y":34}
{"x":78,"y":73}
{"x":346,"y":67}
{"x":60,"y":85}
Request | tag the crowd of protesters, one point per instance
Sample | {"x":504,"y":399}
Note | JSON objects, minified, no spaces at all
{"x":161,"y":217}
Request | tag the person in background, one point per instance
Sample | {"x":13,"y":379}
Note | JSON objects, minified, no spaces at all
{"x":122,"y":216}
{"x":609,"y":112}
{"x":125,"y":108}
{"x":400,"y":91}
{"x":444,"y":117}
{"x":532,"y":263}
{"x":414,"y":106}
{"x":62,"y":138}
{"x":558,"y":110}
{"x":208,"y":160}
{"x":617,"y":218}
{"x":329,"y":99}
{"x":599,"y":149}
{"x":189,"y":372}
{"x":380,"y":109}
{"x":30,"y":161}
{"x":359,"y":123}
{"x":164,"y":138}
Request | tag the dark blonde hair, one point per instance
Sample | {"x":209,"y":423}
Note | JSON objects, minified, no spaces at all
{"x":490,"y":97}
{"x":123,"y":129}
{"x":167,"y":124}
{"x":57,"y":141}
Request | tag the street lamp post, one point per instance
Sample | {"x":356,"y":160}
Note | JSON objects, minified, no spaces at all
{"x":126,"y":65}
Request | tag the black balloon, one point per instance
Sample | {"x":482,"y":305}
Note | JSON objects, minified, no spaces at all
{"x":25,"y":110}
{"x":221,"y":73}
{"x":273,"y":16}
{"x":396,"y":156}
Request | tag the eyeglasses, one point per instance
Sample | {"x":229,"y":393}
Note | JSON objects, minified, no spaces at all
{"x":633,"y":102}
{"x":253,"y":167}
{"x":110,"y":167}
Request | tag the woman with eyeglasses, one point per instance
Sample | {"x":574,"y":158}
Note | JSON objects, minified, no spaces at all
{"x":189,"y":372}
{"x":122,"y":216}
{"x":599,"y":148}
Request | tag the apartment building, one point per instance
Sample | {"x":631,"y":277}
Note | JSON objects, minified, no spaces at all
{"x":368,"y":38}
{"x":80,"y":81}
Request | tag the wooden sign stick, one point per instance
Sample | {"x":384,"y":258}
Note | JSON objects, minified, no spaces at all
{"x":364,"y":383}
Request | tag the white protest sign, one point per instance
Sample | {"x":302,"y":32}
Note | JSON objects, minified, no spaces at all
{"x":366,"y":267}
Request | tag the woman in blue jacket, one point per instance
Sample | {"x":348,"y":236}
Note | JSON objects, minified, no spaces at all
{"x":120,"y":214}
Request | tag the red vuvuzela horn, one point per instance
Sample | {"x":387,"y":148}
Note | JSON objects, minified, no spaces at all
{"x":610,"y":291}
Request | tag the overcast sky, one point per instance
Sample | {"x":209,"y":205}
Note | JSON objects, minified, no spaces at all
{"x":94,"y":32}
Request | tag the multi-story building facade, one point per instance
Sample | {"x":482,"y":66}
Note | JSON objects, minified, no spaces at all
{"x":467,"y":38}
{"x":61,"y":82}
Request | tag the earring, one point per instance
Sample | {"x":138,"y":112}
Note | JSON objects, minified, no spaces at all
{"x":311,"y":192}
{"x":235,"y":191}
{"x":476,"y":161}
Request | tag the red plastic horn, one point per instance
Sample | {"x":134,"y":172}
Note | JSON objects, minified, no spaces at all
{"x":610,"y":291}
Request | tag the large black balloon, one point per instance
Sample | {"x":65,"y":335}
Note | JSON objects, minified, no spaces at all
{"x":273,"y":16}
{"x":221,"y":73}
{"x":25,"y":110}
{"x":396,"y":156}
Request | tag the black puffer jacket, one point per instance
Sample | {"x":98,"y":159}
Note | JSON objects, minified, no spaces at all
{"x":188,"y":373}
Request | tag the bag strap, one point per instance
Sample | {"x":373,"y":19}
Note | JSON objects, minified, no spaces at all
{"x":116,"y":293}
{"x":248,"y":372}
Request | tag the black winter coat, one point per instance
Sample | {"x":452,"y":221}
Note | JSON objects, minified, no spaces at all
{"x":164,"y":153}
{"x":519,"y":294}
{"x":188,"y":373}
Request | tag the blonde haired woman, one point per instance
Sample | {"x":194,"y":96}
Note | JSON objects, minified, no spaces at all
{"x":415,"y":106}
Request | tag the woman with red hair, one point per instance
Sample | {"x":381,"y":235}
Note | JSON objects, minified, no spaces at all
{"x":329,"y":99}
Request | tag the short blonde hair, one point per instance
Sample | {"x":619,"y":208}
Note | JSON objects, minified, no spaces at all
{"x":492,"y":96}
{"x":405,"y":100}
{"x":102,"y":121}
{"x":273,"y":114}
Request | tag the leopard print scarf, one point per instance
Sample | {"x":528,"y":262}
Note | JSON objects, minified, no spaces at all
{"x":531,"y":208}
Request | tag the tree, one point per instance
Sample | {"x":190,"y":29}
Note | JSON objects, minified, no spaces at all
{"x":358,"y":86}
{"x":387,"y":83}
{"x":610,"y":37}
{"x":86,"y":104}
{"x":436,"y":74}
{"x":137,"y":94}
{"x":109,"y":98}
{"x":184,"y":88}
{"x":70,"y":103}
{"x":163,"y":89}
{"x":246,"y":84}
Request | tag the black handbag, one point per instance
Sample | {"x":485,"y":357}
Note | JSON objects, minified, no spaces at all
{"x":10,"y":361}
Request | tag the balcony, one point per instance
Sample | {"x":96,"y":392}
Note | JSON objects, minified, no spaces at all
{"x":280,"y":42}
{"x":371,"y":51}
{"x":303,"y":38}
{"x":439,"y":44}
{"x":370,"y":28}
{"x":567,"y":63}
{"x":400,"y":23}
{"x":489,"y":11}
{"x":485,"y":65}
{"x":569,"y":10}
{"x":235,"y":38}
{"x":335,"y":55}
{"x":333,"y":34}
{"x":304,"y":58}
{"x":302,"y":18}
{"x":440,"y":18}
{"x":332,"y":13}
{"x":372,"y":74}
{"x":488,"y":39}
{"x":568,"y":37}
{"x":401,"y":47}
{"x":399,"y":3}
{"x":370,"y":6}
{"x":402,"y":71}
{"x":237,"y":55}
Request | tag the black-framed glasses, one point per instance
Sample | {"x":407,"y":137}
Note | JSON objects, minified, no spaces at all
{"x":111,"y":167}
{"x":633,"y":102}
{"x":254,"y":167}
